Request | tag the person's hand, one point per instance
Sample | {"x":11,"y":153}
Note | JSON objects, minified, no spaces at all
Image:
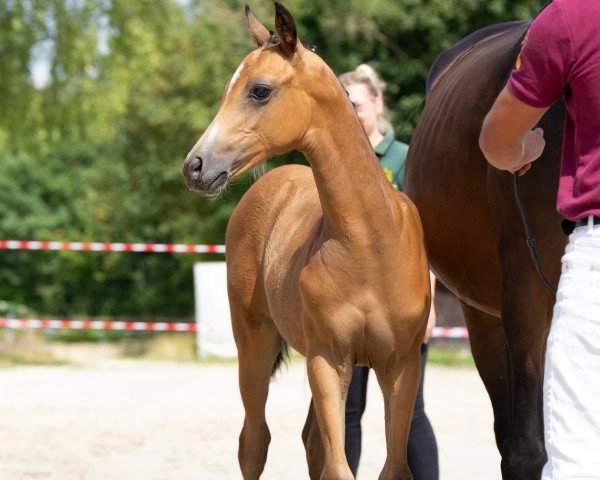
{"x":523,"y":170}
{"x":532,"y":149}
{"x":431,"y":321}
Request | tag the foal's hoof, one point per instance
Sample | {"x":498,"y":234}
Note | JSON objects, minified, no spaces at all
{"x":404,"y":475}
{"x":339,"y":473}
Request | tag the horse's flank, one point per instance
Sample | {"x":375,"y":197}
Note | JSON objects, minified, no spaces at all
{"x":447,"y":142}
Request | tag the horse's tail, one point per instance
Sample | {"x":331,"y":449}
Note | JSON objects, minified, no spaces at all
{"x":282,"y":357}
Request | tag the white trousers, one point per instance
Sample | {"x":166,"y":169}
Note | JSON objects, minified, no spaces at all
{"x":572,"y":370}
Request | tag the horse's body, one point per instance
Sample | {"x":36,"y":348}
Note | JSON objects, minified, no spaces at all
{"x":329,"y":259}
{"x":476,"y":241}
{"x":278,"y":232}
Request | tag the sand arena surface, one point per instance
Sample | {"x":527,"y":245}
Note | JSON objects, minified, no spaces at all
{"x":125,"y":420}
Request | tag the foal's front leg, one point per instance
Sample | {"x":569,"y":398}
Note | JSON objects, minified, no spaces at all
{"x":329,"y":386}
{"x":258,"y":343}
{"x":399,"y":381}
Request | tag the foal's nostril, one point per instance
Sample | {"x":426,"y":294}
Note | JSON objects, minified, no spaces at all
{"x":197,"y":163}
{"x":196,"y":167}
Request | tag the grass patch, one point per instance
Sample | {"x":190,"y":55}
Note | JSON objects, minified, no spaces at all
{"x":175,"y":347}
{"x":17,"y":359}
{"x":444,"y":356}
{"x":46,"y":348}
{"x":293,"y":357}
{"x":25,"y":348}
{"x":39,"y":348}
{"x":451,"y":357}
{"x":218,"y":360}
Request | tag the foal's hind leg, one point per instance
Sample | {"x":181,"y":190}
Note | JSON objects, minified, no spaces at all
{"x":313,"y":444}
{"x":399,"y":381}
{"x":258,"y":343}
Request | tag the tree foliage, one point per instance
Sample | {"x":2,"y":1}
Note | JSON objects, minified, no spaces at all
{"x":93,"y":152}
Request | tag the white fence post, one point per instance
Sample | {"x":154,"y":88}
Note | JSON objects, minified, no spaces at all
{"x":213,"y":320}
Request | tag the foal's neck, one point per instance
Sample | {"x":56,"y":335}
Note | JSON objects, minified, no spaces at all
{"x":355,"y":194}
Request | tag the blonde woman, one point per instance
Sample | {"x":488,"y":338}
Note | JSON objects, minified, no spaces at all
{"x":365,"y":89}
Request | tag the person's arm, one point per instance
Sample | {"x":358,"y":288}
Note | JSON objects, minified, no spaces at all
{"x":506,"y":138}
{"x":431,"y":321}
{"x":542,"y":71}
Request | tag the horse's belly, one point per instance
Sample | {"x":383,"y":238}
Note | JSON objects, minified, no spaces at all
{"x":457,"y":222}
{"x":447,"y":175}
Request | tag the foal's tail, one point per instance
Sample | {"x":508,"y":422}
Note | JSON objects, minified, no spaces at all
{"x":282,"y":357}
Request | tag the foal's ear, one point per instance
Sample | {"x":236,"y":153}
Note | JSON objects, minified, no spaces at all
{"x":259,"y":33}
{"x":286,"y":30}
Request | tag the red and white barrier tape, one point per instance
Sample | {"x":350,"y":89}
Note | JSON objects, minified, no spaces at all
{"x":47,"y":324}
{"x":111,"y":247}
{"x":96,"y":325}
{"x":450,"y":332}
{"x":438,"y":332}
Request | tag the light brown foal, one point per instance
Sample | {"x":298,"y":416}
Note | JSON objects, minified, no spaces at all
{"x":328,"y":259}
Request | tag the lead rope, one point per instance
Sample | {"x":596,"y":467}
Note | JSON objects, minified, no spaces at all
{"x":530,"y":239}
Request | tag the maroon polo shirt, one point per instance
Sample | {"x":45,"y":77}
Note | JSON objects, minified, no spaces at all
{"x":561,"y":57}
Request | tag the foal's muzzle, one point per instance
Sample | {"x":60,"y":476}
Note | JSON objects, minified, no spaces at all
{"x":209,"y":182}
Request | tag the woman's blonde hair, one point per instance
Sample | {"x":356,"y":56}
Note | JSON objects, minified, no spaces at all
{"x":366,"y":75}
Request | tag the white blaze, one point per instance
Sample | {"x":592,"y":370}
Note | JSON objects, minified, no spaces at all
{"x":235,"y":77}
{"x":210,"y":138}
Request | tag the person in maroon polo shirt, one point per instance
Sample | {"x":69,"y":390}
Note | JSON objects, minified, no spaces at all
{"x":560,"y":57}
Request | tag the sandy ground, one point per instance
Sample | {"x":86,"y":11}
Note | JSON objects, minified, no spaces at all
{"x":124,"y":420}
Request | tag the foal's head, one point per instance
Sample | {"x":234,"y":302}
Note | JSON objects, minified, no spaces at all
{"x":266,"y":107}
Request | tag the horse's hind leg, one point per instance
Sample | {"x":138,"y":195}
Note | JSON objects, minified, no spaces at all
{"x":526,"y":310}
{"x":488,"y":346}
{"x":258,"y":343}
{"x":399,"y":381}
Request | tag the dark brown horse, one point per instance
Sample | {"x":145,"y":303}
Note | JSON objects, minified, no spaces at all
{"x":475,"y":238}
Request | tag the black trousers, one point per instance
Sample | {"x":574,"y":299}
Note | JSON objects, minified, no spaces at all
{"x":422,"y":446}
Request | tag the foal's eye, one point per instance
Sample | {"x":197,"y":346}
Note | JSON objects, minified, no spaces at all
{"x":260,"y":92}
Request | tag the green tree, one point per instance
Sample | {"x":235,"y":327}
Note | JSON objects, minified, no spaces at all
{"x":95,"y":152}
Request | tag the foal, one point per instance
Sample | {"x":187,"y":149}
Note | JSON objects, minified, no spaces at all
{"x":328,"y":259}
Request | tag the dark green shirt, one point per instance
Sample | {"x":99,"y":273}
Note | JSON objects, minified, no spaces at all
{"x":392,"y":157}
